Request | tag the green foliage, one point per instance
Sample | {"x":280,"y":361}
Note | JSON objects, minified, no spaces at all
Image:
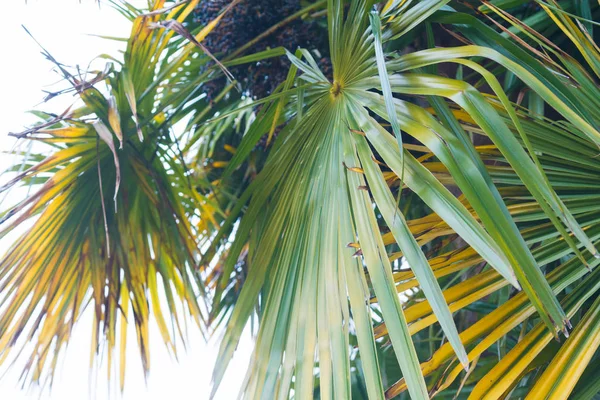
{"x":402,"y":224}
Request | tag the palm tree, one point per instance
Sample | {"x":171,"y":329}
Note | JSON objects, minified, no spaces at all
{"x":410,"y":211}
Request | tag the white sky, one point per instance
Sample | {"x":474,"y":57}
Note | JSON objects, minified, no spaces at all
{"x":62,"y":27}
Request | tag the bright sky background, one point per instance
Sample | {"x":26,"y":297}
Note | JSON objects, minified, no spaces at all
{"x":63,"y":28}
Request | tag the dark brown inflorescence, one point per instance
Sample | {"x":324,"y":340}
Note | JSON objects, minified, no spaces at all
{"x":244,"y":22}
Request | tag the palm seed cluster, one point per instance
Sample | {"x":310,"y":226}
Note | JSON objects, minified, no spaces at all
{"x":244,"y":22}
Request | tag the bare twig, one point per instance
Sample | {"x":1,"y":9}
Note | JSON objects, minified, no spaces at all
{"x":56,"y":119}
{"x":78,"y":85}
